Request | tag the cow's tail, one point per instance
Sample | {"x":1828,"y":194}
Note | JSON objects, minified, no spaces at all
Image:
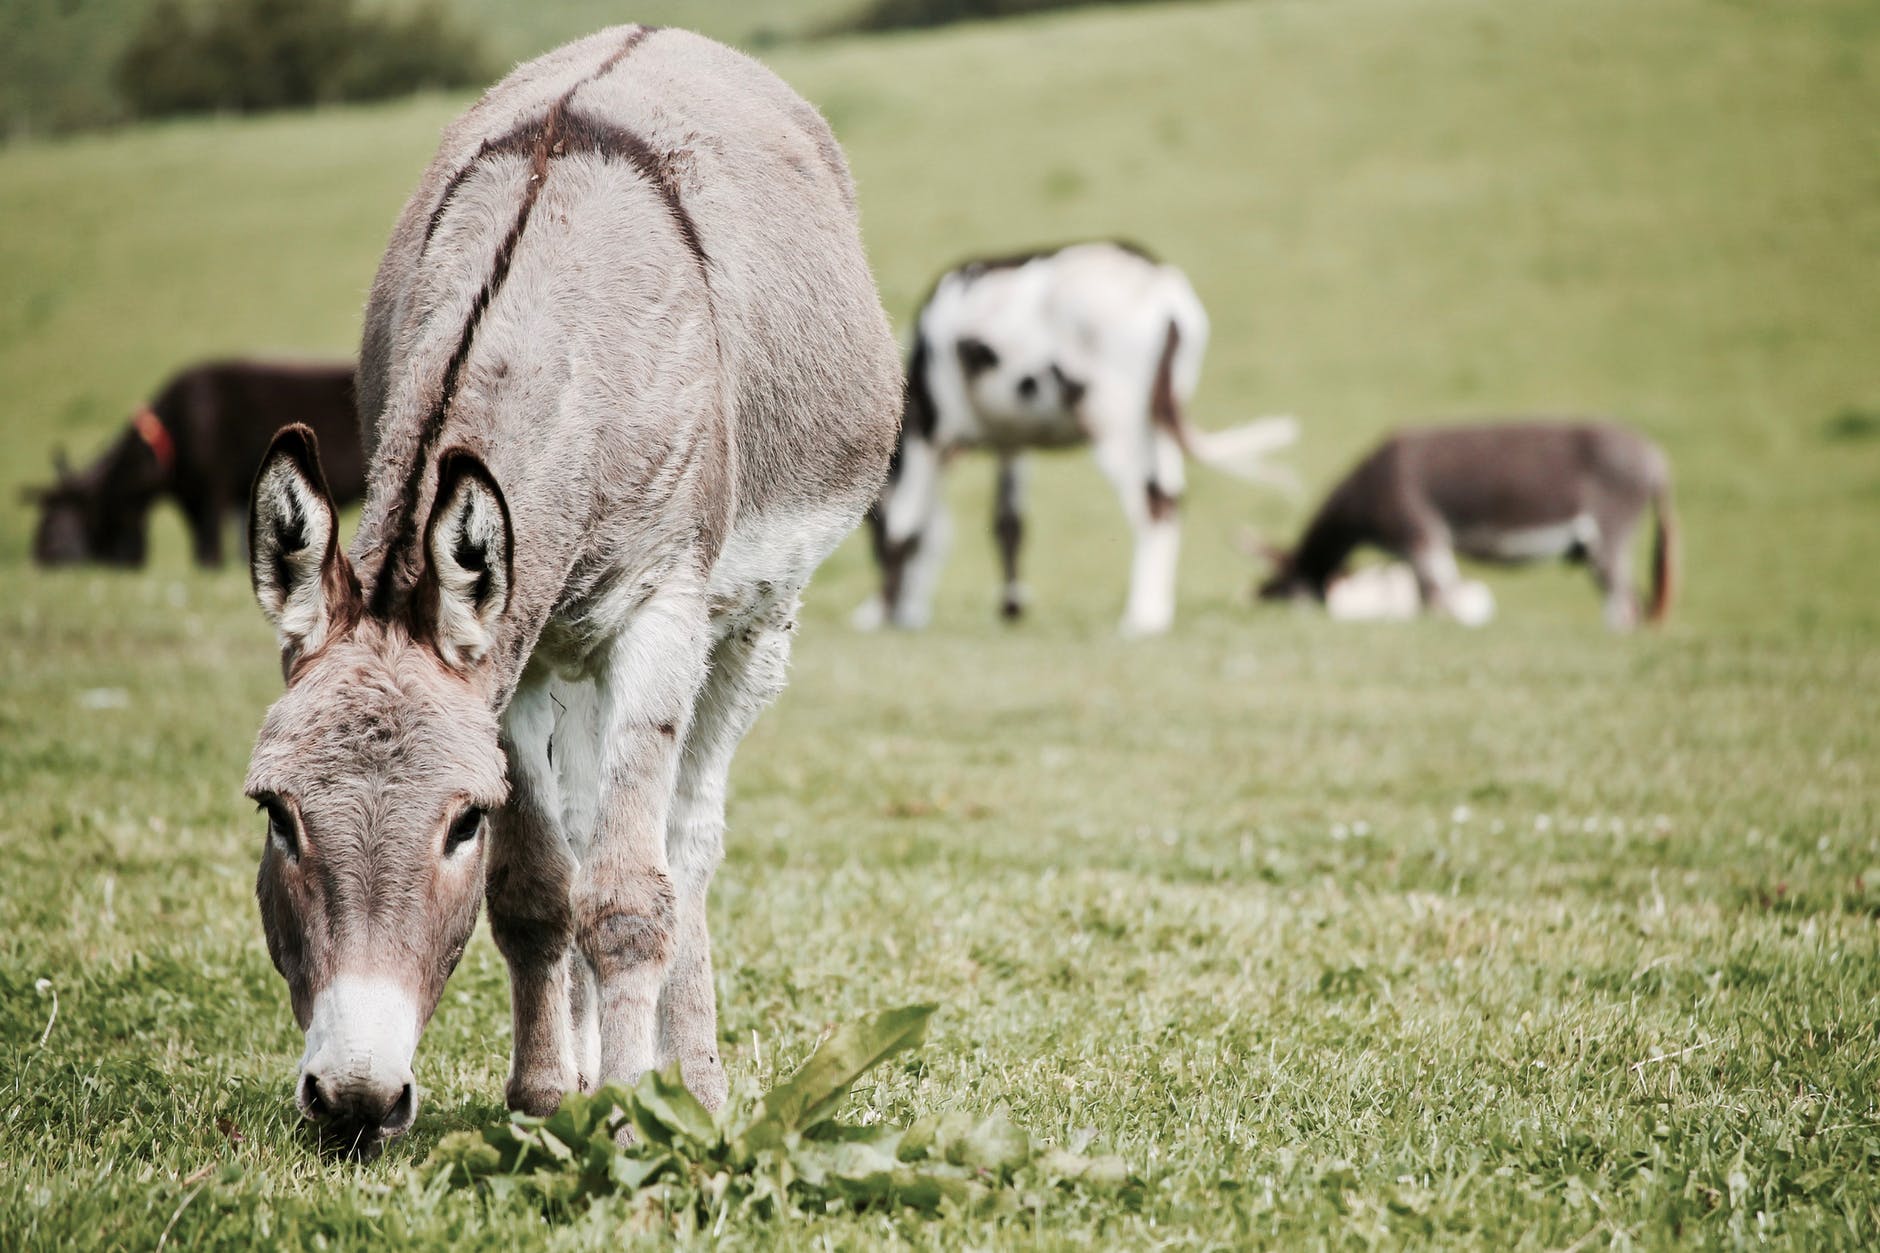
{"x":1664,"y":555}
{"x":1242,"y":451}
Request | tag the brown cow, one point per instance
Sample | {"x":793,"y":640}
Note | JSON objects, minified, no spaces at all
{"x":199,"y":443}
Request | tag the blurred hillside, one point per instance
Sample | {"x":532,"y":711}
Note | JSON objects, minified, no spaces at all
{"x":59,"y":58}
{"x":1393,"y":211}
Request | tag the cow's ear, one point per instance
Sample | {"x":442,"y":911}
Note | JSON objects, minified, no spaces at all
{"x":469,"y":573}
{"x":303,"y":582}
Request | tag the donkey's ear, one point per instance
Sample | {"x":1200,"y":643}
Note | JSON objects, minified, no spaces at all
{"x":467,"y":544}
{"x":304,"y":583}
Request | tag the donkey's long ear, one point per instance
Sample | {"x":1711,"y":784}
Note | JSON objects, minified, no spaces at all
{"x":467,"y":545}
{"x":1256,"y":546}
{"x":304,"y":583}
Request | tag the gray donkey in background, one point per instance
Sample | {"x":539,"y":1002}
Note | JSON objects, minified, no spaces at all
{"x":1507,"y":492}
{"x":625,"y":382}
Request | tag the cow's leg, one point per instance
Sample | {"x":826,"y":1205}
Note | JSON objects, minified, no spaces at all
{"x":911,"y":532}
{"x":748,"y":670}
{"x":624,"y":908}
{"x":922,"y":557}
{"x":1145,"y":468}
{"x":1008,"y":523}
{"x":530,"y":877}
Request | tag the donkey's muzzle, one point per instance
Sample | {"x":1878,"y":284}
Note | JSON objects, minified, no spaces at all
{"x":356,"y":1117}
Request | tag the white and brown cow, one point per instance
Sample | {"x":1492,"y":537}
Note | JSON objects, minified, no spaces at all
{"x":1510,"y":493}
{"x":625,"y":382}
{"x":1094,"y":343}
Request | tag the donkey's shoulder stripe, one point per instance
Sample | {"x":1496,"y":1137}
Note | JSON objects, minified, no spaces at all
{"x":539,"y":140}
{"x":496,"y":146}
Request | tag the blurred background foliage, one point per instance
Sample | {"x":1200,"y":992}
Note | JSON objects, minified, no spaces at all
{"x":75,"y":64}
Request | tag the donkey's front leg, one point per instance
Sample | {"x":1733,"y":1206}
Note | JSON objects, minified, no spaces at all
{"x":747,"y":672}
{"x":624,"y":909}
{"x":530,"y":878}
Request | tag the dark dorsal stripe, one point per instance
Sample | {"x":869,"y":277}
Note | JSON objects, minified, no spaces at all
{"x":560,"y":132}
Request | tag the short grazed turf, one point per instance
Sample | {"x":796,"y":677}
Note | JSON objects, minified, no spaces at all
{"x":1529,"y":936}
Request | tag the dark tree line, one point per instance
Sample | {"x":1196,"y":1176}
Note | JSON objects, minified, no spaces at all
{"x":901,"y":14}
{"x":247,"y":56}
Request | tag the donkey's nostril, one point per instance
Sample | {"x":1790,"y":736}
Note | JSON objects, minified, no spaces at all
{"x":1027,"y":387}
{"x":399,"y":1116}
{"x":313,"y":1101}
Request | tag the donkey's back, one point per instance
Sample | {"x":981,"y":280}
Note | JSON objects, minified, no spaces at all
{"x":661,"y":236}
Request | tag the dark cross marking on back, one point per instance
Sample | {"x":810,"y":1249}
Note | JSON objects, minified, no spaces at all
{"x":560,"y":132}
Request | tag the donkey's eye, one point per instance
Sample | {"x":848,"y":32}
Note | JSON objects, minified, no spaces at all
{"x":281,"y":827}
{"x":465,"y":829}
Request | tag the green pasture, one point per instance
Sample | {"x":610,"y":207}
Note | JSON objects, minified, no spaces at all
{"x":1524,"y":937}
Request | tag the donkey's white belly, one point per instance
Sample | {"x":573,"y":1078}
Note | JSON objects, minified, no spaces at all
{"x":564,"y":707}
{"x":1533,"y":543}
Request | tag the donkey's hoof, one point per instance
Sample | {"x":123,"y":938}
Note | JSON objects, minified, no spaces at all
{"x":704,"y":1075}
{"x":533,"y":1098}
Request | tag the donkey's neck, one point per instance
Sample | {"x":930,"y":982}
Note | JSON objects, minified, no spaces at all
{"x":1323,"y":549}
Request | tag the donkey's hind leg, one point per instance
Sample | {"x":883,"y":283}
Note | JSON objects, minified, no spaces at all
{"x":1610,"y":557}
{"x":748,"y":670}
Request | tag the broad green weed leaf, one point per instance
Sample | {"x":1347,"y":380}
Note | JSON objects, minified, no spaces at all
{"x":813,"y":1092}
{"x":997,"y":1145}
{"x":665,"y":1111}
{"x":683,"y":1170}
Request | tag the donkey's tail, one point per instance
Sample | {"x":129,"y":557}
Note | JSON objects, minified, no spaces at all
{"x":1664,"y":555}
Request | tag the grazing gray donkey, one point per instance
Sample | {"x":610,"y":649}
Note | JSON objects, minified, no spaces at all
{"x":625,"y":383}
{"x":1508,"y":492}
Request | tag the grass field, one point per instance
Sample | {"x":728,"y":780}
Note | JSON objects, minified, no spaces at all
{"x":1526,"y":937}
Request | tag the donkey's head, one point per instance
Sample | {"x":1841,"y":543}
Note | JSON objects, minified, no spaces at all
{"x":1284,"y":580}
{"x":374,"y":768}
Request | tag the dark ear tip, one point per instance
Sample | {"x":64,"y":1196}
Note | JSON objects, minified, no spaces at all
{"x":297,"y":440}
{"x":458,"y":460}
